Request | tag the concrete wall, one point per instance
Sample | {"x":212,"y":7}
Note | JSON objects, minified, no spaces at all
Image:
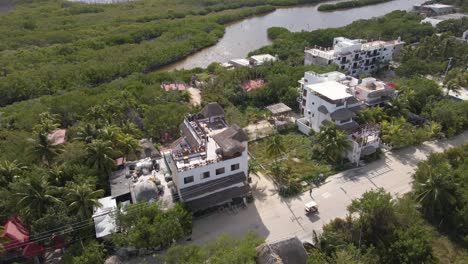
{"x":197,"y":172}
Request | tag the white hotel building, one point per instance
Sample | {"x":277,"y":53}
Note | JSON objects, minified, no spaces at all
{"x":354,"y":56}
{"x":336,"y":98}
{"x":209,"y":162}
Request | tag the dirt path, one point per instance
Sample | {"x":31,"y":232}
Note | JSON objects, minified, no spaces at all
{"x":195,"y":96}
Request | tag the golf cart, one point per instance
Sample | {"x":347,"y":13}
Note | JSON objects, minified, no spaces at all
{"x":311,"y":207}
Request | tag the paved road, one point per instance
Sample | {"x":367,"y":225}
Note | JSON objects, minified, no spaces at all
{"x":276,"y":218}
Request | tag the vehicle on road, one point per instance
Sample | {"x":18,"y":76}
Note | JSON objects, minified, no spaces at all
{"x":311,"y":207}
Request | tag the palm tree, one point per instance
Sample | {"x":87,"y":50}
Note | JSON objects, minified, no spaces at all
{"x":81,"y":199}
{"x":44,"y":149}
{"x":127,"y":144}
{"x":56,"y":176}
{"x":87,"y":133}
{"x":35,"y":196}
{"x":110,"y":133}
{"x":432,"y":190}
{"x":275,"y":146}
{"x":10,"y":170}
{"x":278,"y":171}
{"x":452,"y":86}
{"x":394,"y":132}
{"x":254,"y":166}
{"x":397,"y":106}
{"x":47,"y":123}
{"x":332,"y":141}
{"x":433,"y":129}
{"x":3,"y":239}
{"x":100,"y":155}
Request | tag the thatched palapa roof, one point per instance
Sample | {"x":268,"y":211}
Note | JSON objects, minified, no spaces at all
{"x":288,"y":251}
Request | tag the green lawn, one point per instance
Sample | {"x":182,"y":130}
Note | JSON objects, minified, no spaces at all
{"x":297,"y":156}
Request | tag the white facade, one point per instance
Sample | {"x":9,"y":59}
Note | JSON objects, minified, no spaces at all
{"x":354,"y":56}
{"x":336,"y":98}
{"x":239,"y":63}
{"x":322,"y":95}
{"x":209,"y":158}
{"x":198,"y":172}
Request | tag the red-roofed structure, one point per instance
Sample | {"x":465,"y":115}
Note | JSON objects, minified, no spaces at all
{"x":16,"y":233}
{"x":250,"y":85}
{"x":57,"y":136}
{"x":32,"y":249}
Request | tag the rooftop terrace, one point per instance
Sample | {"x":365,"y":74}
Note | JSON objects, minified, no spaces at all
{"x":197,"y":147}
{"x":206,"y":139}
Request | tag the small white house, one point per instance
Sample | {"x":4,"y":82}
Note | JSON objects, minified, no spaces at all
{"x":239,"y":63}
{"x":261,"y":59}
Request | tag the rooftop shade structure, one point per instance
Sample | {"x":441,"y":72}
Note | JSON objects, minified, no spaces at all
{"x":331,"y":89}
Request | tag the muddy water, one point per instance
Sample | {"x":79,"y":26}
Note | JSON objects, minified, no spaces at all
{"x":251,"y":33}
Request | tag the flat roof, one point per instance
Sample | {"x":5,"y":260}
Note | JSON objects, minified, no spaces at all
{"x":279,"y":108}
{"x":438,"y":6}
{"x":104,"y":222}
{"x":243,"y":62}
{"x":330,"y":89}
{"x":263,"y":57}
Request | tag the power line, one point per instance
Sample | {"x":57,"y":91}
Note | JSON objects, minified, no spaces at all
{"x":67,"y":229}
{"x":88,"y":223}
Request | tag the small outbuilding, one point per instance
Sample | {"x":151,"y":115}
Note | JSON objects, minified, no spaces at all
{"x":147,"y":150}
{"x":239,"y":63}
{"x":261,"y":59}
{"x":279,"y":115}
{"x":288,"y":251}
{"x":57,"y":136}
{"x":279,"y":109}
{"x":103,"y":217}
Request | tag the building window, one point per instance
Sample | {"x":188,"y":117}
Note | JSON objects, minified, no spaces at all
{"x":219,"y":171}
{"x":205,"y":175}
{"x":304,"y":93}
{"x":188,"y":179}
{"x":234,"y":167}
{"x":342,"y":67}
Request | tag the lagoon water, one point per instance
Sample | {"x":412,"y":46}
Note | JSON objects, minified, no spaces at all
{"x":249,"y":34}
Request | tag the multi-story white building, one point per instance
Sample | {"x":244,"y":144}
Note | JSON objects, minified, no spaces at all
{"x":354,"y":56}
{"x":209,"y":162}
{"x":336,"y":98}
